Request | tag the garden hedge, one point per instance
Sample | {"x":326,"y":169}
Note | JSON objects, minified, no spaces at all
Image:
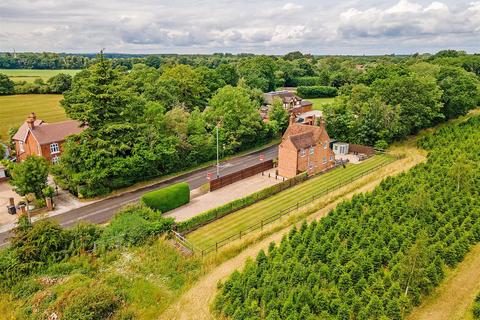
{"x":317,"y":92}
{"x":168,"y":198}
{"x":218,"y":212}
{"x":308,"y":81}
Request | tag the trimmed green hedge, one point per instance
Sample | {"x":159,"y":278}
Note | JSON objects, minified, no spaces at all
{"x":218,"y":212}
{"x":168,"y":198}
{"x":317,"y":92}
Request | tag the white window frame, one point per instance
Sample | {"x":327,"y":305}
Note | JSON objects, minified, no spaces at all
{"x":302,"y":152}
{"x":324,"y":160}
{"x":55,"y":159}
{"x":331,"y":158}
{"x":325,"y":145}
{"x":312,"y":150}
{"x":21,"y":146}
{"x":54,"y":148}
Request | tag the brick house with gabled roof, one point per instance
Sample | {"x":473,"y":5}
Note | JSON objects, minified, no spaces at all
{"x":304,"y":148}
{"x":36,"y":137}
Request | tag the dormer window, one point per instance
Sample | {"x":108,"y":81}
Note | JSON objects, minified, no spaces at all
{"x":20,"y":146}
{"x":54,"y":148}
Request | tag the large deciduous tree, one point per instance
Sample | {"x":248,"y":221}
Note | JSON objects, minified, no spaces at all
{"x":30,"y":176}
{"x":461,"y":91}
{"x":233,"y":109}
{"x":258,"y":72}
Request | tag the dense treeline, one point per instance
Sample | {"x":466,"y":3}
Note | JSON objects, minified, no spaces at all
{"x":373,"y":257}
{"x":389,"y":102}
{"x":149,"y":122}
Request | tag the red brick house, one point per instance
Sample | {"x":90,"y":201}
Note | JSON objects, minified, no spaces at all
{"x":36,"y":137}
{"x":304,"y":148}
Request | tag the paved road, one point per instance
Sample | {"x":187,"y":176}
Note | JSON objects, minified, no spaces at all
{"x":102,"y":211}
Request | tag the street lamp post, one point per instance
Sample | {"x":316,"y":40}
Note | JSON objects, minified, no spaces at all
{"x":218,"y":165}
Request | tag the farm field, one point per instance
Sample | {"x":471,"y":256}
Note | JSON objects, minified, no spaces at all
{"x":318,"y":102}
{"x":15,"y":109}
{"x":240,"y":220}
{"x":30,"y":75}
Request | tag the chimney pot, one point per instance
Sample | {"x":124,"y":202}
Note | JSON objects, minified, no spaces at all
{"x":31,"y":122}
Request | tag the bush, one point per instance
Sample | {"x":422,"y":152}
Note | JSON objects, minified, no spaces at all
{"x":476,"y":308}
{"x":218,"y":212}
{"x":317,"y":92}
{"x":168,"y":198}
{"x":133,"y":226}
{"x":95,"y":302}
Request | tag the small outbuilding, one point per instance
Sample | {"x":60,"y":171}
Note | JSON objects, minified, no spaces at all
{"x":340,"y":148}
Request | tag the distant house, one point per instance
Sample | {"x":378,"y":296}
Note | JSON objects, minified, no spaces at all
{"x":302,"y":109}
{"x":304,"y":148}
{"x":36,"y":137}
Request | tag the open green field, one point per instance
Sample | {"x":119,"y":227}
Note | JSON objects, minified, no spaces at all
{"x":30,"y":75}
{"x":318,"y":102}
{"x":240,"y":220}
{"x":15,"y":109}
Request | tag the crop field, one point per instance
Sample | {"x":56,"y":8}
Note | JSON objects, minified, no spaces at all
{"x":15,"y":109}
{"x":240,"y":220}
{"x":30,"y":75}
{"x":318,"y":102}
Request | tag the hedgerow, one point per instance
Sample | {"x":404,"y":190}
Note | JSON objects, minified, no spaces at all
{"x":218,"y":212}
{"x":316,"y":91}
{"x":168,"y":198}
{"x":373,"y":257}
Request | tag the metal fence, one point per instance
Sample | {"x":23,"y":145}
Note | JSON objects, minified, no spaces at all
{"x":284,"y":212}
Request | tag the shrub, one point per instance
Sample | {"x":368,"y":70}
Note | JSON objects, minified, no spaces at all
{"x":317,"y":92}
{"x":133,"y":226}
{"x":476,"y":308}
{"x":215,"y":213}
{"x":95,"y":302}
{"x":168,"y":198}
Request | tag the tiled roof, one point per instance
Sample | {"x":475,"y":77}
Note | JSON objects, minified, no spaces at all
{"x":49,"y":132}
{"x":303,"y":140}
{"x":310,"y":134}
{"x":22,"y":131}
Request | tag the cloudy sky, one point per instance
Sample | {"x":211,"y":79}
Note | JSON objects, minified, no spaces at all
{"x":260,"y":26}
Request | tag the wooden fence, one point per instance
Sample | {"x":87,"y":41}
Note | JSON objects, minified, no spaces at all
{"x":240,"y":175}
{"x":357,"y":148}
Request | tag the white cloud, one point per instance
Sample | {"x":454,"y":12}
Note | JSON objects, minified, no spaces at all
{"x":267,"y":26}
{"x":407,"y":19}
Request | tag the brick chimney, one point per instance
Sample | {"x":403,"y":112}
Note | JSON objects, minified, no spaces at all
{"x":31,"y":120}
{"x":292,"y":118}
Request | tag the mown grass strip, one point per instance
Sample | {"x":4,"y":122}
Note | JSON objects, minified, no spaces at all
{"x":242,"y":219}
